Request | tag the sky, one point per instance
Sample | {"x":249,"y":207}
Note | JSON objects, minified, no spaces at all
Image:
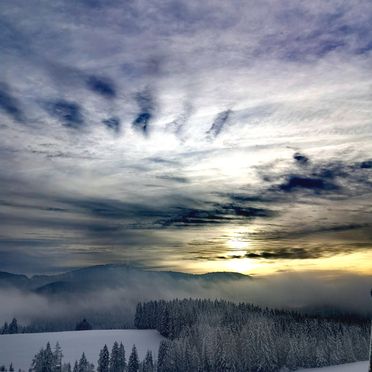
{"x":186,"y":135}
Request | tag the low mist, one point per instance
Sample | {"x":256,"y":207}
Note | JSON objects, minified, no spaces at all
{"x":115,"y":307}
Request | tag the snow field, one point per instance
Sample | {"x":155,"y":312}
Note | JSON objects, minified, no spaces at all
{"x":20,"y":349}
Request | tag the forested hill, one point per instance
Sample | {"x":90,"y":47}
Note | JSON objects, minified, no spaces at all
{"x":106,"y":276}
{"x":219,"y":335}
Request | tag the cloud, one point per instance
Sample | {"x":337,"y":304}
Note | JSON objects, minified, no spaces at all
{"x":218,"y":123}
{"x":102,"y":86}
{"x":295,"y":182}
{"x":69,"y":113}
{"x":145,"y":102}
{"x":300,"y":158}
{"x":9,"y":104}
{"x":112,"y":123}
{"x":295,"y":75}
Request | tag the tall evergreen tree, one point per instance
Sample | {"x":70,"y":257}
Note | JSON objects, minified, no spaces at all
{"x":76,"y":367}
{"x":164,"y":323}
{"x":44,"y":360}
{"x":57,"y":354}
{"x":133,"y":363}
{"x":84,"y":365}
{"x":114,"y":358}
{"x":104,"y":360}
{"x":13,"y":326}
{"x":148,"y":363}
{"x":5,"y":329}
{"x":122,"y":361}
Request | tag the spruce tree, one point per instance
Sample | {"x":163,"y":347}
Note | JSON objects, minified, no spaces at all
{"x":76,"y":367}
{"x":165,"y":362}
{"x":133,"y":363}
{"x":114,"y":358}
{"x":84,"y":365}
{"x":122,"y":361}
{"x":148,"y":363}
{"x":57,"y":354}
{"x":104,"y":360}
{"x":13,"y":327}
{"x":164,"y":323}
{"x":5,"y":329}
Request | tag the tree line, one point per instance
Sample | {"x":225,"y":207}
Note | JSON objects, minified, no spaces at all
{"x":208,"y":336}
{"x":48,"y":360}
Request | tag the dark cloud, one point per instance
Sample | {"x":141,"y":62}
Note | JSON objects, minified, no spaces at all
{"x":145,"y":101}
{"x":216,"y":214}
{"x":112,"y":123}
{"x":317,"y":185}
{"x":9,"y":104}
{"x":69,"y":113}
{"x":177,"y":179}
{"x":367,"y":164}
{"x":101,"y":85}
{"x":218,"y":123}
{"x":287,"y":253}
{"x":300,"y":158}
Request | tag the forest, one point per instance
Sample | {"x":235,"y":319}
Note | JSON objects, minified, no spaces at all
{"x":218,"y":335}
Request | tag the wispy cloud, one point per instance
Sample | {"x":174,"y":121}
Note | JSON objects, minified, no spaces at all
{"x":127,"y":126}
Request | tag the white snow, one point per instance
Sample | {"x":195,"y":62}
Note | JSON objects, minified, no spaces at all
{"x":350,"y":367}
{"x":21,"y":348}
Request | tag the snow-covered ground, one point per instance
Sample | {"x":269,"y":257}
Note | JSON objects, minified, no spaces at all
{"x":351,"y":367}
{"x":20,"y":348}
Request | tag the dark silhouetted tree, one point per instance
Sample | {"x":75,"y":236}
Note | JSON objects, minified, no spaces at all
{"x":104,"y":360}
{"x":84,"y":325}
{"x":133,"y":363}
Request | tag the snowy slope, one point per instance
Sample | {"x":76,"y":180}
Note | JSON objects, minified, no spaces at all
{"x":351,"y":367}
{"x":20,"y":348}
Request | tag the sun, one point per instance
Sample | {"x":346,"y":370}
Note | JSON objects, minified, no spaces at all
{"x":237,"y":244}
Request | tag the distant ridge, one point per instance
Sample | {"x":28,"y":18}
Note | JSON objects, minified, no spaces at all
{"x":109,"y":276}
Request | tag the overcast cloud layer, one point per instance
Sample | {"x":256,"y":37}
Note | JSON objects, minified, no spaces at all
{"x":169,"y":133}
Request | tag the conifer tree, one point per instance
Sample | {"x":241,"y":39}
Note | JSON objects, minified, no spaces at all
{"x":122,"y":361}
{"x":133,"y":363}
{"x":57,"y":354}
{"x":104,"y":360}
{"x":148,"y":363}
{"x":84,"y":365}
{"x":114,"y":358}
{"x":13,"y":326}
{"x":5,"y":329}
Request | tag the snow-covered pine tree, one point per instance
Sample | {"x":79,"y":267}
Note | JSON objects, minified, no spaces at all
{"x":122,"y":361}
{"x":13,"y":326}
{"x":104,"y":360}
{"x":133,"y":363}
{"x":148,"y":363}
{"x":164,"y":323}
{"x":5,"y":329}
{"x":114,"y":358}
{"x":138,"y":318}
{"x":76,"y":367}
{"x":84,"y":365}
{"x":58,"y":355}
